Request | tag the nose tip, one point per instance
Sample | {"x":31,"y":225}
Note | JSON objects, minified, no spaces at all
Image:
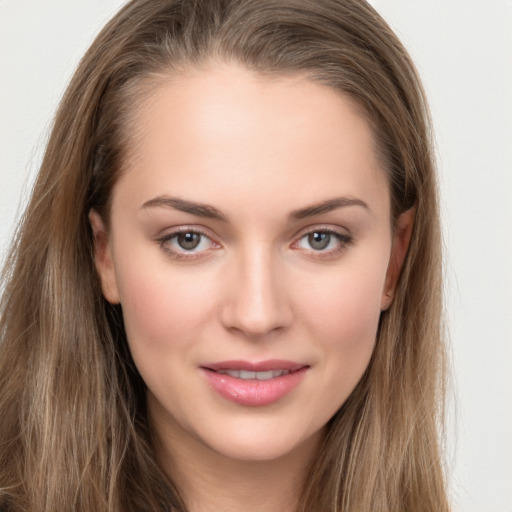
{"x":257,"y":300}
{"x":255,"y":316}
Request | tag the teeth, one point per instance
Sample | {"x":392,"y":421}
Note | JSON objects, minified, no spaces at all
{"x":247,"y":375}
{"x":278,"y":373}
{"x":265,"y":375}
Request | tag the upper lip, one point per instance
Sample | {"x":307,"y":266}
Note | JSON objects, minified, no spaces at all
{"x":260,"y":366}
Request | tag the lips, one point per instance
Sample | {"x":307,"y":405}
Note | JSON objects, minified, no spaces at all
{"x":254,"y":384}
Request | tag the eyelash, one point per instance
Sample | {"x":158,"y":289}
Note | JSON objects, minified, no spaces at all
{"x":343,"y":239}
{"x":183,"y":254}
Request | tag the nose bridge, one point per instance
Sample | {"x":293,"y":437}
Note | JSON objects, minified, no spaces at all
{"x":257,"y":303}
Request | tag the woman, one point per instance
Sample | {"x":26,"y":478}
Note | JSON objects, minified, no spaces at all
{"x":225,"y":291}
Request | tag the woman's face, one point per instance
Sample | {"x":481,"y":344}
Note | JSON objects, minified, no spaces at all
{"x":249,"y":248}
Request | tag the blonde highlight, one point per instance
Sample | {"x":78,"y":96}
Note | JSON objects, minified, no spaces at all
{"x":74,"y":433}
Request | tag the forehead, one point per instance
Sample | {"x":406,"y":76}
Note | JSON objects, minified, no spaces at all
{"x":226,"y":128}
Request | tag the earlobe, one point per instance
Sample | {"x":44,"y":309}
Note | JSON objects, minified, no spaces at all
{"x":103,"y":258}
{"x":401,"y":241}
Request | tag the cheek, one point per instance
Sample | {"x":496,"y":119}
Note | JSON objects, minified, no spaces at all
{"x":163,"y":308}
{"x":348,"y":334}
{"x":347,"y":301}
{"x":342,"y":313}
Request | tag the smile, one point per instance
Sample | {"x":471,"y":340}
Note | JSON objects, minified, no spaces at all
{"x":254,"y":384}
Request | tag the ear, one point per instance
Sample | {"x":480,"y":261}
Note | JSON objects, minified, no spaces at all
{"x":401,"y":240}
{"x":103,"y":258}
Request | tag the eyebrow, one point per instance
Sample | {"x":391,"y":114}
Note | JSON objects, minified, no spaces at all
{"x":198,"y":209}
{"x":327,"y":206}
{"x":210,"y":212}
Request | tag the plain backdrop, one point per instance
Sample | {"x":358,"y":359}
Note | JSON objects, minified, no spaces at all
{"x":463,"y":50}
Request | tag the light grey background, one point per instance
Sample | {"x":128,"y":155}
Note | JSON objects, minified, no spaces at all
{"x":463,"y":49}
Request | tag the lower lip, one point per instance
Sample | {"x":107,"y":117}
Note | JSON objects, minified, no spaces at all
{"x":254,"y":392}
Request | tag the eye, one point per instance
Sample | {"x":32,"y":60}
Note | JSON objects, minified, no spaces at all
{"x":324,"y":240}
{"x":319,"y":240}
{"x":186,"y":243}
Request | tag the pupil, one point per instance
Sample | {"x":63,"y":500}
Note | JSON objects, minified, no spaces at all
{"x":189,"y":240}
{"x":319,"y":241}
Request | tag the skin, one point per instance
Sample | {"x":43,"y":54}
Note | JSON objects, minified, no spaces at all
{"x":256,"y":149}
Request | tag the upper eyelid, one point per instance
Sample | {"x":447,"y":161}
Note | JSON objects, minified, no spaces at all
{"x":325,"y":228}
{"x":171,"y":232}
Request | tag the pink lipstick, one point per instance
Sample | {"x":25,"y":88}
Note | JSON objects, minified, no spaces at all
{"x":254,"y":384}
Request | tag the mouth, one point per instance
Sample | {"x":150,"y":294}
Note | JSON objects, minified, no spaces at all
{"x":248,"y":375}
{"x":254,"y":384}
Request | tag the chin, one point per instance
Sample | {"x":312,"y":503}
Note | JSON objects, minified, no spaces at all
{"x":262,"y":445}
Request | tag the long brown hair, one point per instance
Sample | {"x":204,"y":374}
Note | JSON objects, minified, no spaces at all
{"x":73,"y":432}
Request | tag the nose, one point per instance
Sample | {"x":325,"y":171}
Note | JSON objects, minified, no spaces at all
{"x":256,"y":295}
